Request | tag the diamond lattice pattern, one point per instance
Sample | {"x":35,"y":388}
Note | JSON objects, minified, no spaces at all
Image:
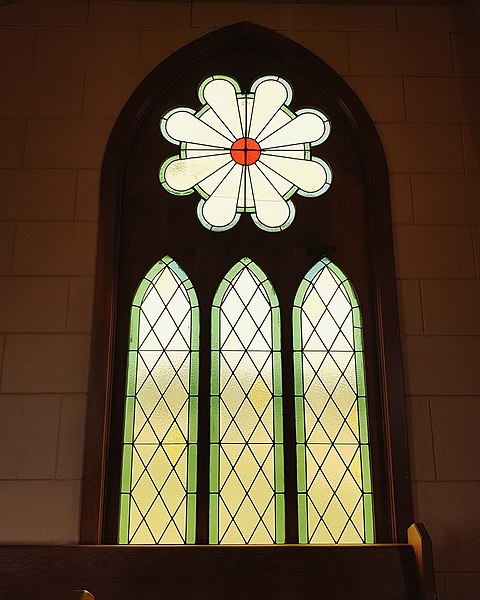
{"x":159,"y":462}
{"x":246,"y":461}
{"x":331,"y":420}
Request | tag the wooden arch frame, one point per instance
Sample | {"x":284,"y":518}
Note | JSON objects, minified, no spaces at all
{"x":396,"y":495}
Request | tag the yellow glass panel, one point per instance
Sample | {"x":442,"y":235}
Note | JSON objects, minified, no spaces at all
{"x":350,"y":535}
{"x":143,"y":535}
{"x":144,"y":493}
{"x":349,"y":493}
{"x":335,"y":518}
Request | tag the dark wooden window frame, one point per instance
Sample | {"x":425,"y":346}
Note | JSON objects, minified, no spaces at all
{"x":393,"y":493}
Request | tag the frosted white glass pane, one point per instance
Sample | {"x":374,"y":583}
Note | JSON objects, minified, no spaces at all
{"x":272,"y":210}
{"x":279,"y":119}
{"x":192,"y":150}
{"x":211,"y":183}
{"x":307,"y":127}
{"x":183,"y":174}
{"x":219,"y":210}
{"x":245,"y":196}
{"x":282,"y":185}
{"x":310,"y":176}
{"x":270,"y":95}
{"x":245,"y":107}
{"x":291,"y":151}
{"x":212,"y":120}
{"x":222,"y":98}
{"x":185,"y":127}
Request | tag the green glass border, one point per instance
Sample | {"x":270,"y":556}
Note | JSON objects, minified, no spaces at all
{"x":207,"y":80}
{"x":124,"y":519}
{"x":163,"y":181}
{"x":369,"y":518}
{"x":280,"y":517}
{"x":214,"y":497}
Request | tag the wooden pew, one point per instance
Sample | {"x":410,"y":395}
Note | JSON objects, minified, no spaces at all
{"x":289,"y":572}
{"x":81,"y":595}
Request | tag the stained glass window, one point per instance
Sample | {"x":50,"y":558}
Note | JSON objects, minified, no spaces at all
{"x":333,"y":461}
{"x":246,"y":454}
{"x":158,"y":481}
{"x":245,"y":152}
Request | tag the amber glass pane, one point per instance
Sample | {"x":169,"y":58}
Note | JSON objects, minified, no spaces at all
{"x":333,"y":462}
{"x":159,"y":456}
{"x":246,"y":460}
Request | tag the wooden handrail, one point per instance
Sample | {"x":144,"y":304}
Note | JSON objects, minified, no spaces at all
{"x":380,"y":571}
{"x":421,"y":542}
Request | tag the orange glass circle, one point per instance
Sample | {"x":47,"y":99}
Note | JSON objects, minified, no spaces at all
{"x":245,"y":151}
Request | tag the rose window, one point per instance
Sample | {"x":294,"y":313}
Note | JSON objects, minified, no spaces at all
{"x":245,"y":153}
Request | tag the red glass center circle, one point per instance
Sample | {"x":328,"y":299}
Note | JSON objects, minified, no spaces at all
{"x":245,"y":151}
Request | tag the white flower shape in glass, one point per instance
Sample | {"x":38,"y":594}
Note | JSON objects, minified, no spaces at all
{"x":245,"y":152}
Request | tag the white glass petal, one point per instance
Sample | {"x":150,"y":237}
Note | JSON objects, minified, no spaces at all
{"x":211,"y":183}
{"x":271,"y":208}
{"x":220,"y":209}
{"x":280,"y":119}
{"x":270,"y":95}
{"x":309,"y":175}
{"x":284,"y":82}
{"x":211,"y":119}
{"x":199,"y":150}
{"x":185,"y":127}
{"x":325,"y":120}
{"x":245,"y":106}
{"x":183,"y":174}
{"x":221,"y":95}
{"x":294,"y":151}
{"x":166,"y":117}
{"x":328,"y":179}
{"x":307,"y":127}
{"x":245,"y":196}
{"x":282,"y":185}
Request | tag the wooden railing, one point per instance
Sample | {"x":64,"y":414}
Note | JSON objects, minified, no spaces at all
{"x":81,"y":595}
{"x":280,"y":572}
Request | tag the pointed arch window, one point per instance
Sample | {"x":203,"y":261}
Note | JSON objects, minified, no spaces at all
{"x":158,"y":486}
{"x":246,"y":451}
{"x":333,"y":469}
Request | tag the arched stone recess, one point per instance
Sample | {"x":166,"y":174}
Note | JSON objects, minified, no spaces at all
{"x":140,"y":222}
